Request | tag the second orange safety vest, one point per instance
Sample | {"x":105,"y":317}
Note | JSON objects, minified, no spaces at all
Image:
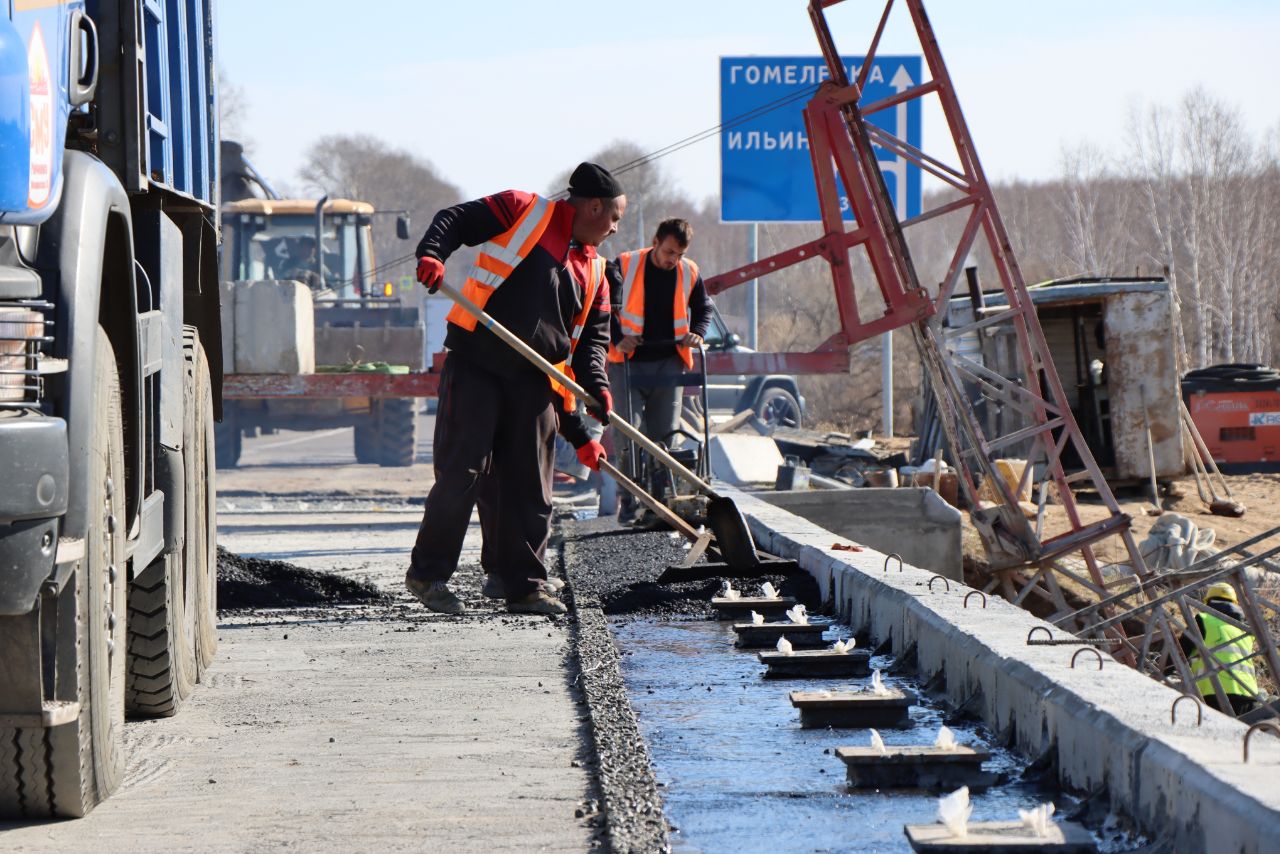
{"x":631,"y":316}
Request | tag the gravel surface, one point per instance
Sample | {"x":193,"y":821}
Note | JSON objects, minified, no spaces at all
{"x":619,"y":568}
{"x":246,"y":582}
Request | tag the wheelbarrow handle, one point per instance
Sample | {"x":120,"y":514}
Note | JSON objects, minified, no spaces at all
{"x":623,"y":426}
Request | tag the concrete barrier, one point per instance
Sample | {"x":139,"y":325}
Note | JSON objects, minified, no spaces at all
{"x":914,"y":523}
{"x":274,"y":330}
{"x":1108,"y":730}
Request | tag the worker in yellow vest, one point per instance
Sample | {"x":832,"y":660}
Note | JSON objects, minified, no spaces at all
{"x":1232,"y":646}
{"x":538,"y":274}
{"x":661,"y":312}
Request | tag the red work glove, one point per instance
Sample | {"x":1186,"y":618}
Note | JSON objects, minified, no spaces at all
{"x":430,"y":272}
{"x":601,"y":414}
{"x":591,"y":454}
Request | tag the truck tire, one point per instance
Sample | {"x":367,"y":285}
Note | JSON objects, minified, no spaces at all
{"x":200,"y":547}
{"x":165,"y":611}
{"x":397,"y":432}
{"x":162,"y":665}
{"x":365,"y":441}
{"x":64,"y":771}
{"x":778,"y":406}
{"x":226,"y":438}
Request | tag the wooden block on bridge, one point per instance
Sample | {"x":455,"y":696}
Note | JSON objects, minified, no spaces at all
{"x":1005,"y":837}
{"x":765,"y":635}
{"x":852,"y":709}
{"x":816,"y":663}
{"x":916,"y":767}
{"x":736,"y":609}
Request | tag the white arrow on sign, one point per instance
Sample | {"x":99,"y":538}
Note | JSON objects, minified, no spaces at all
{"x":898,"y":166}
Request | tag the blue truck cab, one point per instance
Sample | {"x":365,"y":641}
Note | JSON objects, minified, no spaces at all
{"x":108,"y":287}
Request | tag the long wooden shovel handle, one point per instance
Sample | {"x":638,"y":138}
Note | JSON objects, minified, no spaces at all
{"x":649,"y":501}
{"x":622,"y":424}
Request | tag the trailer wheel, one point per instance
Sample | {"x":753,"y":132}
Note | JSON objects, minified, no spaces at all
{"x":226,"y":438}
{"x":200,"y":552}
{"x":64,"y":771}
{"x":397,"y":427}
{"x":366,"y":441}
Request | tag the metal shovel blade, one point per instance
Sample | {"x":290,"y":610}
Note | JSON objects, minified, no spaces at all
{"x":733,"y":537}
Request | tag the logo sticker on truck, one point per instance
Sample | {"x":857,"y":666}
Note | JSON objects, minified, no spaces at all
{"x":40,"y":177}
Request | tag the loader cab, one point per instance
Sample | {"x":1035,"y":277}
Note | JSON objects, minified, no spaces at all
{"x":276,"y":239}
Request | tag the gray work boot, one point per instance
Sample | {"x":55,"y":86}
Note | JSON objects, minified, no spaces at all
{"x":537,"y":602}
{"x":493,"y":587}
{"x":435,"y":595}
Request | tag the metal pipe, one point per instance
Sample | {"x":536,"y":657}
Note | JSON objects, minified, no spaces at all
{"x":319,"y":238}
{"x":753,"y":289}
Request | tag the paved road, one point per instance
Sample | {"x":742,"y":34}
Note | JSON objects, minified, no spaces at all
{"x":352,"y":729}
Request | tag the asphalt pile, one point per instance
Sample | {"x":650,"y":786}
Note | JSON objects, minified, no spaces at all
{"x":619,"y":567}
{"x":246,"y":582}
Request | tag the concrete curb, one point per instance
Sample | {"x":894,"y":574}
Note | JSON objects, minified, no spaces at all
{"x":1111,"y":729}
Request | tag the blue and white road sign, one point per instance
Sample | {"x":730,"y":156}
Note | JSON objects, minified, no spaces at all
{"x":766,"y":174}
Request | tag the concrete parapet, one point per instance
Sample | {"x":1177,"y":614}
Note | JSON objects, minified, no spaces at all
{"x":1185,"y":785}
{"x":274,"y":329}
{"x":914,"y":523}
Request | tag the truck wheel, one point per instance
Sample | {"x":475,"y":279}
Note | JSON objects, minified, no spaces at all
{"x":64,"y":771}
{"x":226,"y":438}
{"x":162,"y":667}
{"x":200,"y":548}
{"x":164,"y":607}
{"x":397,"y":432}
{"x":778,"y":407}
{"x":366,"y":441}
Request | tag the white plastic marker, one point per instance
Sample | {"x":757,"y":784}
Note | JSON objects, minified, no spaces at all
{"x":946,"y":739}
{"x":784,"y":646}
{"x":798,"y":615}
{"x":843,"y":647}
{"x":1037,"y":820}
{"x":877,"y":685}
{"x":728,"y":592}
{"x":954,"y":811}
{"x":757,"y":619}
{"x":878,"y":743}
{"x":768,"y":591}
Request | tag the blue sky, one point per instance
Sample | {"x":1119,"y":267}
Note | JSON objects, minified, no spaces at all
{"x":451,"y":80}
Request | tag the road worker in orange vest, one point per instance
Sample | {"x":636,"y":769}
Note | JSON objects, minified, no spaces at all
{"x":661,"y":311}
{"x":538,"y":274}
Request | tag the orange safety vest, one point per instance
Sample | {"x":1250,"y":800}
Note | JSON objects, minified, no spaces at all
{"x":631,"y":316}
{"x":499,"y":256}
{"x":595,"y":277}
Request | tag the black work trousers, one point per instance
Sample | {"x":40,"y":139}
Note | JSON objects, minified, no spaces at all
{"x":500,"y":430}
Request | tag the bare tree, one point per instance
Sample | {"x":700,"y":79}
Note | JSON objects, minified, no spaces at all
{"x":364,"y":168}
{"x":233,"y":111}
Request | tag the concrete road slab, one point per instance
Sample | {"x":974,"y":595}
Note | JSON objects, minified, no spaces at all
{"x":354,"y":729}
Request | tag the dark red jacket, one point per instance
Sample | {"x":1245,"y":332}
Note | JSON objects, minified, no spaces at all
{"x":538,"y":301}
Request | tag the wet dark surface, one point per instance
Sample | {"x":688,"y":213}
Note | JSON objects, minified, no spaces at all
{"x":738,"y":772}
{"x":690,"y":717}
{"x":246,"y":582}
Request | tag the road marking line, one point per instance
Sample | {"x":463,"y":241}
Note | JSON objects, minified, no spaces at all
{"x":306,"y":438}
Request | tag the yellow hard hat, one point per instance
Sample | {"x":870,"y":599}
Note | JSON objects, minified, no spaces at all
{"x":1221,"y":590}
